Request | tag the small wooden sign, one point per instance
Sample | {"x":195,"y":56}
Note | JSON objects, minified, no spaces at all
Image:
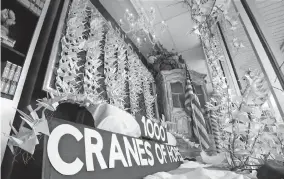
{"x":152,"y":130}
{"x":77,"y":151}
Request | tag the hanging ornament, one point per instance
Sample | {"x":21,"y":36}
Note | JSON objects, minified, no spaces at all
{"x":25,"y":139}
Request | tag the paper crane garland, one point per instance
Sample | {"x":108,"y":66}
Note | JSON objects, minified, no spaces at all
{"x":25,"y":139}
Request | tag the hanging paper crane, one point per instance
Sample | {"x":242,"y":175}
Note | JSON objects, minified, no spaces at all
{"x":25,"y":139}
{"x":39,"y":125}
{"x":237,"y":43}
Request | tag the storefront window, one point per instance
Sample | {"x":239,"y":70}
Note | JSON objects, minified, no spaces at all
{"x":272,"y":14}
{"x":260,"y":50}
{"x":177,"y":95}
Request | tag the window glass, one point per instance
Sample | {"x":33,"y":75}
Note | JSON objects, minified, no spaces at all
{"x":176,"y":101}
{"x":272,"y":15}
{"x":176,"y":87}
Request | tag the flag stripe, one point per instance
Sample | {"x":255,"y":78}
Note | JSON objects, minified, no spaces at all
{"x":204,"y":143}
{"x":193,"y":108}
{"x":198,"y":115}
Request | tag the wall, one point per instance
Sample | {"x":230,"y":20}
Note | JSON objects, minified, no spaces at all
{"x":195,"y":59}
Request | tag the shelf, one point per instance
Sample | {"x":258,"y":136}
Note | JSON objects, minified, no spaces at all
{"x":7,"y":96}
{"x":22,"y":3}
{"x":13,"y":50}
{"x":23,"y":30}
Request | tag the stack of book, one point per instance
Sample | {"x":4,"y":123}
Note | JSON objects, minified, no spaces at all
{"x":34,"y":5}
{"x":10,"y":78}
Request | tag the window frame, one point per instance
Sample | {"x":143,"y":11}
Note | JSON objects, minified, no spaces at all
{"x":267,"y":54}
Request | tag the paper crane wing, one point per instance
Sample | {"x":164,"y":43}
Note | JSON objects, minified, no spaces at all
{"x":25,"y":133}
{"x":233,"y":28}
{"x":51,"y":104}
{"x":13,"y":128}
{"x":11,"y":147}
{"x":29,"y":145}
{"x":46,"y":105}
{"x":31,"y":124}
{"x":33,"y":113}
{"x":234,"y":23}
{"x":13,"y":141}
{"x":29,"y":138}
{"x":24,"y":115}
{"x":42,"y":126}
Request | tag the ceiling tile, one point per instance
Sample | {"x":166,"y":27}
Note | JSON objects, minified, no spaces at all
{"x":147,"y":5}
{"x":193,"y":54}
{"x":178,"y":27}
{"x":169,"y":9}
{"x":178,"y":24}
{"x":166,"y":3}
{"x":164,"y":38}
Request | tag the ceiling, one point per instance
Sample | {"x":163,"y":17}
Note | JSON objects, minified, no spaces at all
{"x":176,"y":37}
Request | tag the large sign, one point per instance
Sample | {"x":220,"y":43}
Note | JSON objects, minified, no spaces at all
{"x":77,"y":151}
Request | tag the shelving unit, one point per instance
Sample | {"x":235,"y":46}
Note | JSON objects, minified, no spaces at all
{"x":26,"y":32}
{"x":21,"y":32}
{"x":26,"y":22}
{"x":12,"y":50}
{"x":35,"y":7}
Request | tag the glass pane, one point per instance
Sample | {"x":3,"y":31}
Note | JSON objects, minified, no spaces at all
{"x":242,"y":58}
{"x":282,"y":67}
{"x":176,"y":87}
{"x":182,"y":100}
{"x":242,"y":45}
{"x":272,"y":15}
{"x":176,"y":101}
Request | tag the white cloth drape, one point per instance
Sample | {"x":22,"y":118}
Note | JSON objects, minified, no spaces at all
{"x":110,"y":118}
{"x":195,"y":170}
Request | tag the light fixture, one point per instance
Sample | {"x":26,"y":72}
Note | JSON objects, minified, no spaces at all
{"x":142,"y":26}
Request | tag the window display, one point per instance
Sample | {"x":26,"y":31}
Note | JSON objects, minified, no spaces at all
{"x":82,"y":98}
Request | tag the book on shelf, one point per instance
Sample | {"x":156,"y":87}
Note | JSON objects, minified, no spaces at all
{"x":5,"y":73}
{"x":8,"y":41}
{"x":33,"y":5}
{"x":10,"y":78}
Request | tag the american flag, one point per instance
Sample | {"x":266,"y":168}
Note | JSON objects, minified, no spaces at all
{"x":193,"y":108}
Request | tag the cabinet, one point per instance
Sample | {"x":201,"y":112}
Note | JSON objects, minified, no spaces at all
{"x":171,"y":96}
{"x":26,"y":33}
